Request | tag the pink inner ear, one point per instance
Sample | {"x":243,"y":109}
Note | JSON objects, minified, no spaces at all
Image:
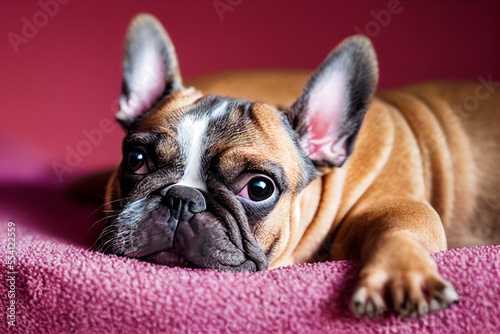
{"x":326,"y":102}
{"x":146,"y":83}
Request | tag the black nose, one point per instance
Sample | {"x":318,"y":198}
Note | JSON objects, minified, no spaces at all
{"x":183,"y":201}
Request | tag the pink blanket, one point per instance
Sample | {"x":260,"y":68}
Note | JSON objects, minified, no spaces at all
{"x":61,"y":287}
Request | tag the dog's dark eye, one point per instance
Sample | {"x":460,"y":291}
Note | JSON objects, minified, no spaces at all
{"x":136,"y":161}
{"x":258,"y":189}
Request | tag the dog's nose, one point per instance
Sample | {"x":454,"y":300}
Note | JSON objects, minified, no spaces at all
{"x":183,"y":201}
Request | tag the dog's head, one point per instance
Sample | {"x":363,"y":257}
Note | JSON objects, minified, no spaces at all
{"x":213,"y":181}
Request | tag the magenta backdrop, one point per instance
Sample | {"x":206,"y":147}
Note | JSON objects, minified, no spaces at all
{"x":65,"y":79}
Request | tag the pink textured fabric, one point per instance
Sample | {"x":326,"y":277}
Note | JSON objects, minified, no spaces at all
{"x":61,"y":287}
{"x":67,"y":289}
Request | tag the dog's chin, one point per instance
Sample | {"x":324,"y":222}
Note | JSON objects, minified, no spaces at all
{"x":170,"y":258}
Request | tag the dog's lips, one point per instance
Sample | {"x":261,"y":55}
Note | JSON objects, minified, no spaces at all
{"x":204,"y":241}
{"x":170,"y":257}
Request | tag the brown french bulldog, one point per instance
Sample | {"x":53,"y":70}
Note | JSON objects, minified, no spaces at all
{"x":275,"y":175}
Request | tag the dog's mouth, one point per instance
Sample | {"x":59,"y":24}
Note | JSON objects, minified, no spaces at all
{"x":151,"y":231}
{"x":201,"y":242}
{"x":170,"y":257}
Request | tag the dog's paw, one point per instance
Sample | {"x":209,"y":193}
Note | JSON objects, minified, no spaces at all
{"x":409,"y":294}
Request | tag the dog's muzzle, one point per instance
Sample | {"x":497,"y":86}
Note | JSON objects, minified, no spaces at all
{"x":180,"y":231}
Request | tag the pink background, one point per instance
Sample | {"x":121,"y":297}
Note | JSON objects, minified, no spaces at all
{"x":66,"y":78}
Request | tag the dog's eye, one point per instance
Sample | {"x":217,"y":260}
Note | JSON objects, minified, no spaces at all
{"x":136,"y":161}
{"x":258,"y":189}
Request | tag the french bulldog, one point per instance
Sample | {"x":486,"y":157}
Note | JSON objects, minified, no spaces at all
{"x":293,"y":169}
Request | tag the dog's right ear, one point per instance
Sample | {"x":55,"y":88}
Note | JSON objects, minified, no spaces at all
{"x":150,"y":68}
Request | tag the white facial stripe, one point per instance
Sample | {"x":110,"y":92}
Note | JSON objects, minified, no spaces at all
{"x":191,"y":136}
{"x":220,"y":111}
{"x":192,"y":133}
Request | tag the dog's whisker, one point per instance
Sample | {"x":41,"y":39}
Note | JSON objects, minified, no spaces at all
{"x":99,"y":221}
{"x":108,"y":230}
{"x":105,"y":204}
{"x":102,"y":248}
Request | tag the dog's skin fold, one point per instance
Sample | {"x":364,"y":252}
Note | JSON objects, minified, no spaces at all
{"x":250,"y":170}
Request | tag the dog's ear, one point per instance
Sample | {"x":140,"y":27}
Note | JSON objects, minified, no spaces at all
{"x":150,"y":68}
{"x":328,"y":115}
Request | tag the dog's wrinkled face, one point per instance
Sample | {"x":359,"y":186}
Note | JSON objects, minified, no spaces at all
{"x":205,"y":183}
{"x":210,"y":181}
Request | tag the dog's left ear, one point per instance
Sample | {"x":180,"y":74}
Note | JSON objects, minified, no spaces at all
{"x":150,"y":68}
{"x":328,"y":115}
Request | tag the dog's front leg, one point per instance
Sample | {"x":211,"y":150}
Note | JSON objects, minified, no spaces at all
{"x":393,"y":240}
